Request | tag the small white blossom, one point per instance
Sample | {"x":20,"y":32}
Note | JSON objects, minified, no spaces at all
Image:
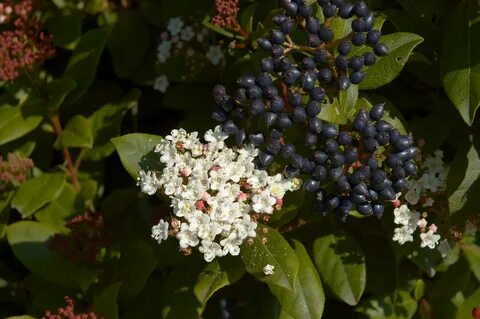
{"x":403,"y":234}
{"x":160,"y":231}
{"x":163,"y":51}
{"x":215,"y":54}
{"x":175,"y":25}
{"x":187,"y":34}
{"x":402,"y":215}
{"x":268,"y":270}
{"x":429,"y":239}
{"x":161,"y":84}
{"x":148,"y":182}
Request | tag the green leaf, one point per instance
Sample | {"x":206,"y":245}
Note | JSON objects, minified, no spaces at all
{"x":77,"y":133}
{"x":5,"y":198}
{"x":29,"y":242}
{"x":136,"y":151}
{"x":82,"y":67}
{"x":472,"y":253}
{"x":17,"y":121}
{"x":37,"y":192}
{"x":106,"y":302}
{"x":341,"y":264}
{"x":136,"y":265}
{"x":216,"y":275}
{"x":66,"y":205}
{"x":387,"y":68}
{"x":308,"y":300}
{"x":128,"y":43}
{"x":206,"y":23}
{"x":461,"y":59}
{"x":343,"y":108}
{"x":57,"y":91}
{"x":21,"y":317}
{"x":106,"y":123}
{"x":462,"y":179}
{"x":65,"y":30}
{"x":399,"y":305}
{"x":269,"y":247}
{"x":465,"y":310}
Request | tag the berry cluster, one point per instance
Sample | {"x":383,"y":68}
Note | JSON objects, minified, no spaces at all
{"x":359,"y":167}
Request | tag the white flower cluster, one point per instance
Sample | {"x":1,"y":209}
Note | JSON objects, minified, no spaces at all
{"x":216,"y":192}
{"x":433,"y":179}
{"x":409,"y":221}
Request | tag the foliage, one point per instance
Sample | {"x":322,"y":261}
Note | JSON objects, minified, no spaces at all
{"x":105,"y":89}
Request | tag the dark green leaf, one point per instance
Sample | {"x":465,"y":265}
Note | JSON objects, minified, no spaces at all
{"x":341,"y":264}
{"x":387,"y":68}
{"x":18,"y":120}
{"x":38,"y":191}
{"x":106,"y":302}
{"x":472,"y":253}
{"x":216,"y":275}
{"x":83,"y":63}
{"x":57,"y":91}
{"x":461,"y":59}
{"x":128,"y":43}
{"x":136,"y":265}
{"x":136,"y":151}
{"x":269,"y":247}
{"x":465,"y":310}
{"x":77,"y":133}
{"x":308,"y":300}
{"x":29,"y":242}
{"x":65,"y":29}
{"x":399,"y":305}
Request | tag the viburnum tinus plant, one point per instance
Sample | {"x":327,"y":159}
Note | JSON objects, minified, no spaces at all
{"x":239,"y":159}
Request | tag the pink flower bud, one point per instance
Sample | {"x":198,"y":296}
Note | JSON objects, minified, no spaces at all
{"x":396,"y":203}
{"x":186,"y":171}
{"x":422,"y":223}
{"x":279,"y":202}
{"x":433,"y":228}
{"x":206,"y":196}
{"x":200,"y":205}
{"x":242,"y":197}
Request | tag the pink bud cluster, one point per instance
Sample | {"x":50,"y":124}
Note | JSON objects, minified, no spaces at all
{"x":68,"y":312}
{"x":87,"y":236}
{"x":14,"y":170}
{"x":227,"y":11}
{"x":24,"y":43}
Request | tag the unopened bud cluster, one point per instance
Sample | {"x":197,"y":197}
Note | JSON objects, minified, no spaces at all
{"x":14,"y":170}
{"x":216,"y":193}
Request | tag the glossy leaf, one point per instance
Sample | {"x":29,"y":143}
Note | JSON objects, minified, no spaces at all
{"x":57,"y":91}
{"x":216,"y":275}
{"x":461,"y":59}
{"x":399,"y":305}
{"x":65,"y":30}
{"x":77,"y":133}
{"x":341,"y":264}
{"x":37,"y":192}
{"x":17,"y":121}
{"x":387,"y":68}
{"x":308,"y":300}
{"x":136,"y":150}
{"x":269,"y":247}
{"x":465,"y":310}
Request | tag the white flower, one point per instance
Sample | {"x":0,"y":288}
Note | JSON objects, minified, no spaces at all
{"x":268,"y":270}
{"x":187,"y":34}
{"x":403,"y":234}
{"x":215,"y":54}
{"x":428,"y":202}
{"x":210,"y":250}
{"x":161,"y":84}
{"x":163,"y":51}
{"x":160,"y":231}
{"x":263,"y":202}
{"x":414,"y":192}
{"x":175,"y":26}
{"x":402,"y":215}
{"x":216,"y":137}
{"x":148,"y":182}
{"x":444,"y":248}
{"x":422,"y":223}
{"x":429,"y":239}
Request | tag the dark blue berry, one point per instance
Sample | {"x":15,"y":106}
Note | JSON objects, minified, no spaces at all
{"x":320,"y":56}
{"x":288,"y":150}
{"x":365,"y":209}
{"x":323,"y":2}
{"x":314,"y":40}
{"x":270,"y":118}
{"x":398,"y":172}
{"x":351,"y":155}
{"x":370,"y":58}
{"x":369,"y":21}
{"x":308,"y":80}
{"x":315,"y":125}
{"x":308,"y":63}
{"x":378,"y":210}
{"x":320,"y":157}
{"x":337,"y":159}
{"x":264,"y":80}
{"x":329,"y":131}
{"x":305,"y":10}
{"x":410,"y":168}
{"x":373,"y":36}
{"x":297,"y":161}
{"x":361,"y":9}
{"x":319,"y":173}
{"x":356,"y":63}
{"x":267,"y":65}
{"x":383,"y":126}
{"x":358,"y":199}
{"x":246,"y":81}
{"x":360,"y":189}
{"x":370,"y":144}
{"x":394,"y":136}
{"x":317,"y":94}
{"x":295,"y":99}
{"x":378,"y":178}
{"x":266,"y":159}
{"x":313,"y":108}
{"x":358,"y":25}
{"x":344,"y":138}
{"x":344,"y":47}
{"x":369,"y":131}
{"x":380,"y":49}
{"x":308,"y":166}
{"x":347,"y":10}
{"x":393,"y":160}
{"x":372,"y":195}
{"x":255,"y":92}
{"x":361,"y":120}
{"x":312,"y":24}
{"x":337,"y":2}
{"x":277,"y":36}
{"x":329,"y":10}
{"x":299,"y":114}
{"x":325,"y":75}
{"x":270,"y":92}
{"x":377,"y":112}
{"x":341,"y":62}
{"x":342,"y":185}
{"x":277,"y":51}
{"x":291,"y":8}
{"x":291,"y":76}
{"x":388,"y":193}
{"x":357,"y":77}
{"x":400,"y":185}
{"x":284,"y":121}
{"x":343,"y":82}
{"x":219,"y":115}
{"x":325,"y":34}
{"x":229,"y":127}
{"x":277,"y":104}
{"x":291,"y":172}
{"x":257,"y":106}
{"x":358,"y":39}
{"x":331,"y":146}
{"x":256,"y":139}
{"x":407,"y":154}
{"x":274,"y":147}
{"x":286,"y":26}
{"x":333,"y":202}
{"x":383,"y":138}
{"x":335,"y":173}
{"x":372,"y":162}
{"x":240,"y":137}
{"x":265,"y":44}
{"x":219,"y":92}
